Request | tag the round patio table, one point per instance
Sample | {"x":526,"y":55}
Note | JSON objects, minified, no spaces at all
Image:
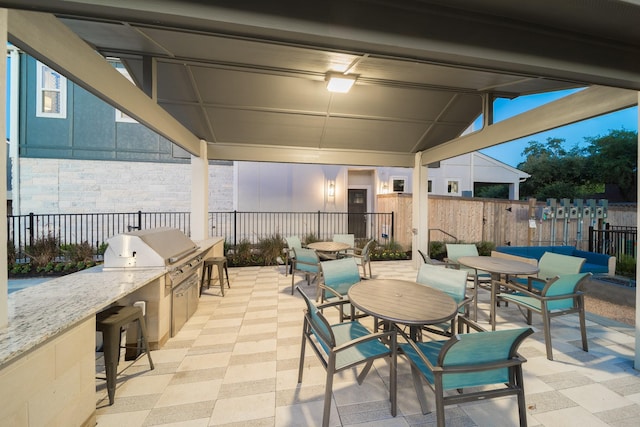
{"x":496,"y":266}
{"x":404,"y":302}
{"x":329,"y":247}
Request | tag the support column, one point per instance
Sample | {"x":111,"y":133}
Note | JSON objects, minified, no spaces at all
{"x":420,"y":210}
{"x":200,"y":194}
{"x":637,"y":358}
{"x":3,"y":176}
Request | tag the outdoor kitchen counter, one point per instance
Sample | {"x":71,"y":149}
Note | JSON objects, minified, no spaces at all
{"x":39,"y":313}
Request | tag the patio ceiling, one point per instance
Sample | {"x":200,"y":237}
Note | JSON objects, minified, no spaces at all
{"x":249,"y":78}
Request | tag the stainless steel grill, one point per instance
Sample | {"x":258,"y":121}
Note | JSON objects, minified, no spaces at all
{"x":164,"y":248}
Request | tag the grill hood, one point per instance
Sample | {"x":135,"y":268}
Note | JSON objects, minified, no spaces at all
{"x":156,"y":247}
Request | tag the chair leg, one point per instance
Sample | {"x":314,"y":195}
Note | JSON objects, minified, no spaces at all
{"x":369,"y":264}
{"x":546,"y":323}
{"x":293,"y":274}
{"x":326,"y":413}
{"x":439,"y":402}
{"x":302,"y":350}
{"x":393,"y":376}
{"x":522,"y":406}
{"x":583,"y":325}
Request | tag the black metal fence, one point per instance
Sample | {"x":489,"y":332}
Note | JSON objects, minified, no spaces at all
{"x":96,"y":228}
{"x":614,"y":240}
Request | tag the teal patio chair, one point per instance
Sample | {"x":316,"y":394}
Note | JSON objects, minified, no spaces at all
{"x":550,"y":266}
{"x":453,"y":283}
{"x":363,"y":257}
{"x":475,"y":366}
{"x":560,"y":295}
{"x":292,"y":242}
{"x":344,"y":346}
{"x":337,"y":278}
{"x":456,"y":251}
{"x":349,"y":239}
{"x":305,"y":261}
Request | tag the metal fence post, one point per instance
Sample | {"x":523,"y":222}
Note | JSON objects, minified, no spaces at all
{"x":235,"y":228}
{"x":30,"y":228}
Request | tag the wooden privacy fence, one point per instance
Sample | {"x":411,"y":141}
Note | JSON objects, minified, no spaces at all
{"x":502,"y":222}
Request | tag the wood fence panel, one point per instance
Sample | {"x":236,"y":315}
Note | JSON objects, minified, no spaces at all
{"x":502,"y":222}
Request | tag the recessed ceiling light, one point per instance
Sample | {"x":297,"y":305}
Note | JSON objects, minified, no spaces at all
{"x":340,"y":83}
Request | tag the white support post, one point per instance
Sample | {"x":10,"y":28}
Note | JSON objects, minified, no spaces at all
{"x":637,"y":356}
{"x":420,"y":210}
{"x":3,"y":178}
{"x":200,"y":194}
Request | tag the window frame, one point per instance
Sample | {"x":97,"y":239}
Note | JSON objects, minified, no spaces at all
{"x":40,"y":91}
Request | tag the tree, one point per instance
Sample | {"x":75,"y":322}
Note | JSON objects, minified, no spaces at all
{"x":581,"y":172}
{"x":555,"y":172}
{"x":613,"y":160}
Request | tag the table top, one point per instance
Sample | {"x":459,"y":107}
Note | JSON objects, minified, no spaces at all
{"x":498,"y":265}
{"x":402,"y":301}
{"x":329,"y":246}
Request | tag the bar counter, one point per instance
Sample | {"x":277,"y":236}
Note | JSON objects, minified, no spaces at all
{"x":47,"y":350}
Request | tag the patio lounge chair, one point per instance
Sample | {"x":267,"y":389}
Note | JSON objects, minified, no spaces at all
{"x":305,"y":261}
{"x":478,"y":365}
{"x":453,"y":283}
{"x":560,"y":295}
{"x":337,"y":277}
{"x":344,"y":346}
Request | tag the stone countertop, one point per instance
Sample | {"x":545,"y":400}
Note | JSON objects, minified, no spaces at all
{"x":41,"y":312}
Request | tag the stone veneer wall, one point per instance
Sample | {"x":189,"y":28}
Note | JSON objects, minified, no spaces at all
{"x":53,"y":385}
{"x":49,"y":186}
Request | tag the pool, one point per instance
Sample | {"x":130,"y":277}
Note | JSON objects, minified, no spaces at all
{"x":17,"y":284}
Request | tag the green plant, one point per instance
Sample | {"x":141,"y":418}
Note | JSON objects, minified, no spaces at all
{"x":270,"y":248}
{"x":11,"y":253}
{"x":78,"y":252}
{"x":626,"y":266}
{"x":43,"y":250}
{"x":437,"y":250}
{"x":310,"y":238}
{"x":102,"y":248}
{"x":485,"y":248}
{"x":241,"y":254}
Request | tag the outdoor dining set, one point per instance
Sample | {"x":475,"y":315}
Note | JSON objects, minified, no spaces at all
{"x":431,"y":322}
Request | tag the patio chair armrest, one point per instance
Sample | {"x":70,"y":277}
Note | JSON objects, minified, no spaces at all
{"x":451,"y":264}
{"x":516,"y":287}
{"x":334,"y":303}
{"x":469,"y":323}
{"x":531,"y":279}
{"x":333,"y":291}
{"x":391,"y":335}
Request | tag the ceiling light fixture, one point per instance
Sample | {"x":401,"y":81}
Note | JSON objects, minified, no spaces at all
{"x":340,"y":83}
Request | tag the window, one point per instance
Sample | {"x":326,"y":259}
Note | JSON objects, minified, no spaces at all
{"x":51,"y":93}
{"x":398,"y":184}
{"x":453,"y":187}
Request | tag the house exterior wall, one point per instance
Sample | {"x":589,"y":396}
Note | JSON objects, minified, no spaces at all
{"x":85,"y":186}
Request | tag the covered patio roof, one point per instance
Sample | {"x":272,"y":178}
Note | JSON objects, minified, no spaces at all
{"x":236,"y":80}
{"x":249,"y":78}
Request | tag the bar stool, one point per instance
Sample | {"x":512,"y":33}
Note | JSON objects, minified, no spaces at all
{"x":110,"y":322}
{"x":221,"y":262}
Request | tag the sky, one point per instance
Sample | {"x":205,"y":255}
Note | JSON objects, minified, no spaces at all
{"x":511,"y":152}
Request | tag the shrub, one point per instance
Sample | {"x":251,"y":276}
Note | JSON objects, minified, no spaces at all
{"x":485,"y":248}
{"x":309,"y":238}
{"x":437,"y":250}
{"x":271,"y":248}
{"x":81,"y":252}
{"x":241,"y":254}
{"x":43,"y":251}
{"x":626,"y":266}
{"x":11,"y":253}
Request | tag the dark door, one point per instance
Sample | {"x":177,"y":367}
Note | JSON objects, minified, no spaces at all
{"x":357,"y":209}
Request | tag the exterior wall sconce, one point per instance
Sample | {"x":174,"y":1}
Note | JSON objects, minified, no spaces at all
{"x":385,"y":188}
{"x":331,"y":189}
{"x":340,"y":83}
